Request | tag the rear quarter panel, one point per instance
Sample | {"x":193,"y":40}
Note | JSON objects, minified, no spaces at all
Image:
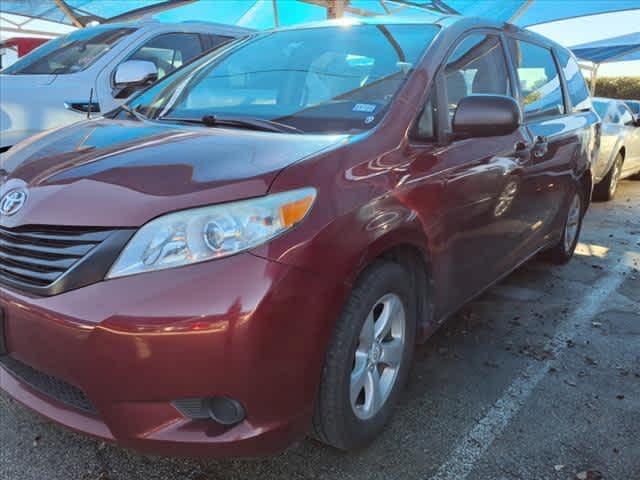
{"x":611,"y":141}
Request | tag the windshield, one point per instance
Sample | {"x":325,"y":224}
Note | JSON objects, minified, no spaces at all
{"x":69,"y":54}
{"x":324,"y":79}
{"x":634,"y":106}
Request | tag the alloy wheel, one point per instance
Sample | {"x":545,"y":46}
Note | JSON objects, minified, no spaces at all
{"x":380,"y":350}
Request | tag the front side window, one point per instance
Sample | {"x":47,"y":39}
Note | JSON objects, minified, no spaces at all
{"x":477,"y":66}
{"x":327,"y":79}
{"x":539,"y":80}
{"x":578,"y":91}
{"x":69,"y":54}
{"x":169,"y":51}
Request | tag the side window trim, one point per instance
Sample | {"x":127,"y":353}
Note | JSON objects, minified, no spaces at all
{"x":564,"y":87}
{"x":511,"y":67}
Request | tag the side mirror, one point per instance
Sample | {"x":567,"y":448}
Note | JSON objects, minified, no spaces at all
{"x":486,"y":116}
{"x":637,"y":120}
{"x":135,"y":73}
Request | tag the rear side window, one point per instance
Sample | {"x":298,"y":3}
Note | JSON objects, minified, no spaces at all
{"x":634,"y":106}
{"x":578,"y":91}
{"x":169,"y":51}
{"x":626,"y":118}
{"x":476,"y":66}
{"x":539,"y":80}
{"x":603,"y":109}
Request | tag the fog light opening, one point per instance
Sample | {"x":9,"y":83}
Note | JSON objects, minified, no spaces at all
{"x":225,"y":411}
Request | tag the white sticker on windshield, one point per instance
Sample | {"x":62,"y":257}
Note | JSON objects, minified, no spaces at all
{"x":364,"y":107}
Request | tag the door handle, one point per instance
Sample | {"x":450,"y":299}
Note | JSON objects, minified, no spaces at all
{"x":523,"y":151}
{"x":540,"y":146}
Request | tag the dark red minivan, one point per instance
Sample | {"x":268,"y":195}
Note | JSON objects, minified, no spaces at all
{"x":250,"y":249}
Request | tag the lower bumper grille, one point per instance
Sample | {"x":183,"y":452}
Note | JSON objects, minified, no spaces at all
{"x":49,"y":386}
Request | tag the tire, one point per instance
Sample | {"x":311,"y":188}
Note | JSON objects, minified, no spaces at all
{"x":606,"y":189}
{"x":338,"y":420}
{"x":562,"y":252}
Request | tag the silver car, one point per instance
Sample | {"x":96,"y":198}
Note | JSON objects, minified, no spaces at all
{"x":97,"y":69}
{"x":619,"y":147}
{"x":634,"y":105}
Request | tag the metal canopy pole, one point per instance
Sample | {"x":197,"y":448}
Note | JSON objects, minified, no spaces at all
{"x":342,"y":6}
{"x":335,"y":8}
{"x":594,"y":78}
{"x":62,"y":5}
{"x":523,"y":8}
{"x":276,"y":15}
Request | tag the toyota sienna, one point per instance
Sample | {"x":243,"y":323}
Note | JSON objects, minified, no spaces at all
{"x":249,"y":250}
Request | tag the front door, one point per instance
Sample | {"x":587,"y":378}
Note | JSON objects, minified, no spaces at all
{"x":476,"y":237}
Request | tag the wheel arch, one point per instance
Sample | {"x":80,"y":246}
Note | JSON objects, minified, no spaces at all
{"x":620,"y":148}
{"x":410,"y":249}
{"x":586,"y":182}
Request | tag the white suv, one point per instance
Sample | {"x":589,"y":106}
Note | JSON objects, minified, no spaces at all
{"x":96,"y":68}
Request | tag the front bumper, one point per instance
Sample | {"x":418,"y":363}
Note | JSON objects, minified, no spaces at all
{"x":242,"y":327}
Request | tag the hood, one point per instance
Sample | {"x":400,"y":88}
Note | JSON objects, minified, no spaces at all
{"x":115,"y":173}
{"x":25,"y":81}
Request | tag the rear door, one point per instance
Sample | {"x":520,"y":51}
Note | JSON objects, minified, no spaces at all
{"x":610,"y":139}
{"x":631,"y":140}
{"x":560,"y":133}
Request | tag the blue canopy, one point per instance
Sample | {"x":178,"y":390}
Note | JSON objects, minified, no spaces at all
{"x":526,"y":13}
{"x":86,"y":10}
{"x":617,"y":49}
{"x":262,"y":14}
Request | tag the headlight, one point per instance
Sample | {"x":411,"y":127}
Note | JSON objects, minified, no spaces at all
{"x":207,"y":233}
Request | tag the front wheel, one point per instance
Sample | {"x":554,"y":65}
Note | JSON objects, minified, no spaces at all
{"x":368,"y":359}
{"x":562,"y":252}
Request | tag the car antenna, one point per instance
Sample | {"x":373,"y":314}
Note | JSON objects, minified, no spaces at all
{"x":90,"y":103}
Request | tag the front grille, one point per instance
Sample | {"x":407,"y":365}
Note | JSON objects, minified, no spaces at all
{"x":37,"y":256}
{"x":49,"y":386}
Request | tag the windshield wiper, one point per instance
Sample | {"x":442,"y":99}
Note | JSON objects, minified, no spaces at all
{"x":133,"y":112}
{"x":240,"y":122}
